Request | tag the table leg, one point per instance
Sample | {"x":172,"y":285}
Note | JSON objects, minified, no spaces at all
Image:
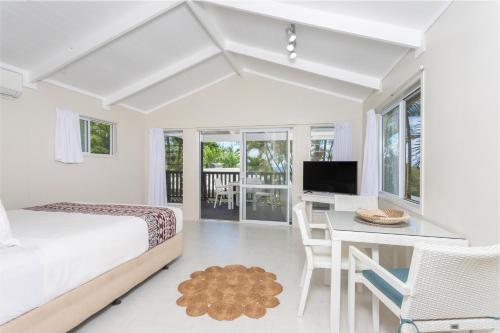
{"x":335,"y":286}
{"x":375,"y":301}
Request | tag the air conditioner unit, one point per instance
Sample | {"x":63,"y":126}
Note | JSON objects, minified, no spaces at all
{"x":11,"y":84}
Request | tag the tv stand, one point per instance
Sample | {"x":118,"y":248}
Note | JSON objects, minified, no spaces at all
{"x":322,"y":197}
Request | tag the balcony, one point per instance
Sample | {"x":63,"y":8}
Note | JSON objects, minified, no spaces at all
{"x":266,"y":205}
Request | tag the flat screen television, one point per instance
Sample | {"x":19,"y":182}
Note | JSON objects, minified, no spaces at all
{"x":336,"y":177}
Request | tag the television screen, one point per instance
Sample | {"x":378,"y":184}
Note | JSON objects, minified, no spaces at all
{"x":336,"y":177}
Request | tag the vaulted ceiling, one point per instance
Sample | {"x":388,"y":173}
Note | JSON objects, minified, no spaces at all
{"x":144,"y":55}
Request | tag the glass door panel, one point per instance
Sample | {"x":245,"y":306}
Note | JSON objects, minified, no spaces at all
{"x":265,"y":179}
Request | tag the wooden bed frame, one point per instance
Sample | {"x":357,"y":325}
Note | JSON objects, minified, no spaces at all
{"x":72,"y":308}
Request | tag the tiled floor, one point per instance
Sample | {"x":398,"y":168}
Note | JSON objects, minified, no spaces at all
{"x":151,"y":306}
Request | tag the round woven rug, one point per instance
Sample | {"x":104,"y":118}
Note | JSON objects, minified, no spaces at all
{"x":226,"y":293}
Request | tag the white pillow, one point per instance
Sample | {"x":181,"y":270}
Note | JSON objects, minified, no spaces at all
{"x":6,"y":238}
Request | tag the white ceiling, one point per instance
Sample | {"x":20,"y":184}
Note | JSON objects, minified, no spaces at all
{"x":145,"y":55}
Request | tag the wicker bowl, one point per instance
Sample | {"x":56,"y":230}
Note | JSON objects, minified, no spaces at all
{"x":383,"y":216}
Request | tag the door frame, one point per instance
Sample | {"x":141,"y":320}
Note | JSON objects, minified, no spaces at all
{"x":288,"y":186}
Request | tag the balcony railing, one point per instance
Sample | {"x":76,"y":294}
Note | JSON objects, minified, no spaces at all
{"x":174,"y":186}
{"x":175,"y":182}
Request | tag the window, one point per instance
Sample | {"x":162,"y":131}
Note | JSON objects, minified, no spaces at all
{"x":174,"y":166}
{"x":322,"y":143}
{"x":401,"y":147}
{"x":97,"y":136}
{"x":322,"y":150}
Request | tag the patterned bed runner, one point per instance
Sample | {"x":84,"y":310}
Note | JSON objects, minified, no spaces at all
{"x":160,"y":221}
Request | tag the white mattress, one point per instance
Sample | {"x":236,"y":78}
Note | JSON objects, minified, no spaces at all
{"x":61,"y":251}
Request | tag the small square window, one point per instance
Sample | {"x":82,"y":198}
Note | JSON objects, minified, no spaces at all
{"x":322,"y":143}
{"x":96,"y":136}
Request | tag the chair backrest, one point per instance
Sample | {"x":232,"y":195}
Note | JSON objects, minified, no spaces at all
{"x":218,"y":183}
{"x":351,"y":203}
{"x":300,"y":211}
{"x":453,"y":282}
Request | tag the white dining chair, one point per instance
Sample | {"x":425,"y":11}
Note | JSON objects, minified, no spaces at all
{"x":220,"y":192}
{"x":445,"y":288}
{"x":318,"y":252}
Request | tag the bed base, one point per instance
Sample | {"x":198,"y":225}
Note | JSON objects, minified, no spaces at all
{"x":72,"y":308}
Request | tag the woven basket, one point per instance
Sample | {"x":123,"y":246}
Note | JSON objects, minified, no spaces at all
{"x":383,"y":216}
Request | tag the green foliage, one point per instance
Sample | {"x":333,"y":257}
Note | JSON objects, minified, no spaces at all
{"x":100,"y":138}
{"x":267,"y":156}
{"x":174,"y":153}
{"x":390,"y":151}
{"x":214,"y":154}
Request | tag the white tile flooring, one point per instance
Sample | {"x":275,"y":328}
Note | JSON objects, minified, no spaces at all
{"x":151,"y":306}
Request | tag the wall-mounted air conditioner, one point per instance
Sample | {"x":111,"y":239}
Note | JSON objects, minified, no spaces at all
{"x":11,"y":84}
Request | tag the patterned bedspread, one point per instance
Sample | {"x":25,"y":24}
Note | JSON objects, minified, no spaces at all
{"x":160,"y":221}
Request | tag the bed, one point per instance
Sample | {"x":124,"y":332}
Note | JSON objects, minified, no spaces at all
{"x":75,"y":259}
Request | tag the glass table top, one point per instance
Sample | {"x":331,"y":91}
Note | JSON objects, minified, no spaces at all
{"x":347,"y":221}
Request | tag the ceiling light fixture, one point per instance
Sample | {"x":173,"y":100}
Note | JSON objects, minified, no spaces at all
{"x":292,"y":41}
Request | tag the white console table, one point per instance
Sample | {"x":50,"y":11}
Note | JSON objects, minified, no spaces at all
{"x":321,"y":197}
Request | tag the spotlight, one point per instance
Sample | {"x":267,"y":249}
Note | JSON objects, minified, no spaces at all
{"x":292,"y":41}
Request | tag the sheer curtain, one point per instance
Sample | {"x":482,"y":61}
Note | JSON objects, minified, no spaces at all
{"x":68,"y":145}
{"x":342,"y":144}
{"x":369,"y":182}
{"x":157,"y":179}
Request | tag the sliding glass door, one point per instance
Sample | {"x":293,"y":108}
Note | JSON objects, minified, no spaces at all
{"x":265,"y":180}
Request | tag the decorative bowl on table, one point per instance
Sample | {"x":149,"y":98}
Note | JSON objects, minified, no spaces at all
{"x":383,"y":216}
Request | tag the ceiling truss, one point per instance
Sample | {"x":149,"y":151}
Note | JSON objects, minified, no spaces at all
{"x":380,"y":31}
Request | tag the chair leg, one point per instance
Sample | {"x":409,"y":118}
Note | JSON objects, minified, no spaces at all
{"x":351,"y":296}
{"x":215,"y":203}
{"x":305,"y":291}
{"x":327,"y":272}
{"x":303,"y":275}
{"x":375,"y":301}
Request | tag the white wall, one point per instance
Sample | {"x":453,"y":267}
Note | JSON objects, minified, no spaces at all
{"x":461,"y":176}
{"x":252,"y":102}
{"x":30,"y":175}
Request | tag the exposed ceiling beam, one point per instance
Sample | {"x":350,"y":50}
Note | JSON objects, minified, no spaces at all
{"x":161,"y":75}
{"x":213,"y":32}
{"x":302,"y":85}
{"x":305,"y":65}
{"x":380,"y":31}
{"x":100,"y":38}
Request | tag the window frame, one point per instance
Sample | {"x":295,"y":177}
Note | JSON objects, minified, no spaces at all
{"x":112,"y":137}
{"x":400,"y":103}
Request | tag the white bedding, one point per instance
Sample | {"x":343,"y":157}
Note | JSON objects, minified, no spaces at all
{"x":61,"y":251}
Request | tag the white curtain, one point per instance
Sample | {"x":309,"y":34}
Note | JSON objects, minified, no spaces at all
{"x":342,"y":144}
{"x":157,"y":179}
{"x":369,"y":182}
{"x":68,"y":145}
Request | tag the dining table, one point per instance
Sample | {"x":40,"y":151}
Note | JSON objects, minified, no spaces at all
{"x":346,"y":227}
